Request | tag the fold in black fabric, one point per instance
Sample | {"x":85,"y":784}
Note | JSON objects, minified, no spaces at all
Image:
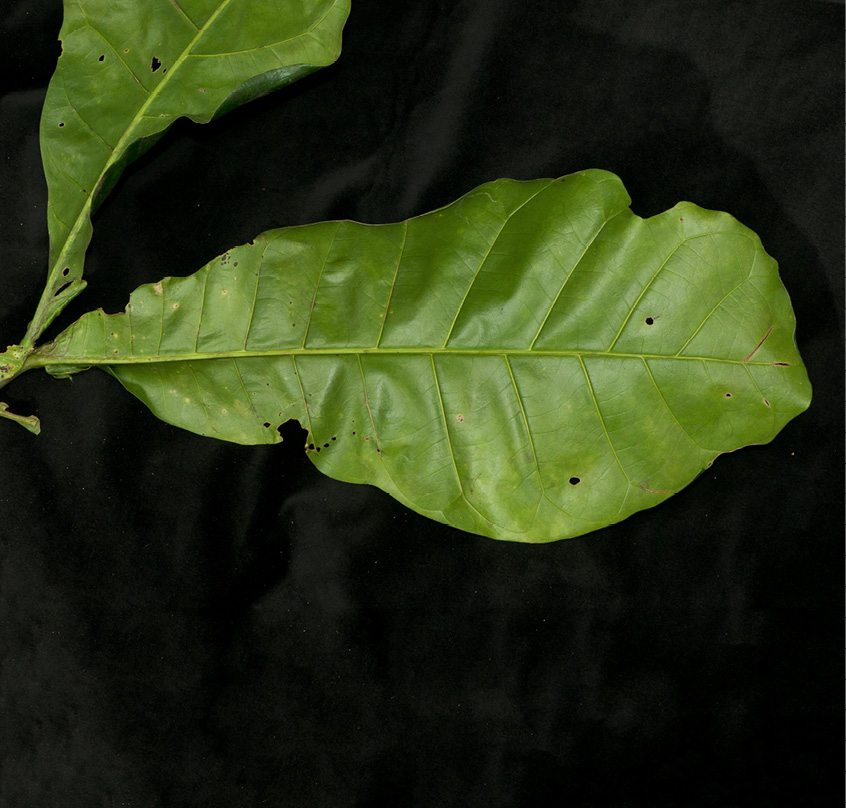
{"x":190,"y":623}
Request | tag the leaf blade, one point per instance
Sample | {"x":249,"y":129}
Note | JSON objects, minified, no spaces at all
{"x":127,"y":72}
{"x":530,"y":362}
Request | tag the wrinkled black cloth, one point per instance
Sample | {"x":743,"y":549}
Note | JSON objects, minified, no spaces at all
{"x":191,"y":623}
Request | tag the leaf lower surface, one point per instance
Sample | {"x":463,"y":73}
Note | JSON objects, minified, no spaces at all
{"x":532,"y":362}
{"x":129,"y":70}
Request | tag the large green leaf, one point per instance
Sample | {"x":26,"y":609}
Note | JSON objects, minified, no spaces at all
{"x":129,"y":70}
{"x":530,"y":362}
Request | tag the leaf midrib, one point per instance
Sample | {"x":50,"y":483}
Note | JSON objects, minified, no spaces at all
{"x":44,"y":359}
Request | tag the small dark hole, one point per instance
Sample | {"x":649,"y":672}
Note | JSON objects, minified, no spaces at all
{"x":266,"y":424}
{"x":353,"y":433}
{"x":334,"y":437}
{"x":649,"y":321}
{"x":311,"y":446}
{"x":318,"y":450}
{"x":575,"y":480}
{"x":325,"y":445}
{"x":102,"y":57}
{"x":61,"y":124}
{"x":65,"y":271}
{"x":155,"y":64}
{"x":728,"y":395}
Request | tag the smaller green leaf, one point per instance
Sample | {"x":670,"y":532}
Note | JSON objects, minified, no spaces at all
{"x":129,"y":70}
{"x":531,"y":362}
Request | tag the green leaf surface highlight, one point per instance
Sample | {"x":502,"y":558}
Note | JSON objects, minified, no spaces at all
{"x":129,"y":70}
{"x":531,"y":362}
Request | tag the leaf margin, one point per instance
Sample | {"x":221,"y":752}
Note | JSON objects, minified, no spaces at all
{"x":48,"y":357}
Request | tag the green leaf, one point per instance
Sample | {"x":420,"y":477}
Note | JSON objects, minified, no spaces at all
{"x":129,"y":70}
{"x":531,"y":362}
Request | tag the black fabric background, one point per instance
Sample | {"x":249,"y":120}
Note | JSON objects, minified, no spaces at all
{"x":189,"y":623}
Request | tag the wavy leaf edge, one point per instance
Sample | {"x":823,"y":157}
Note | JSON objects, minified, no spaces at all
{"x":473,"y":500}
